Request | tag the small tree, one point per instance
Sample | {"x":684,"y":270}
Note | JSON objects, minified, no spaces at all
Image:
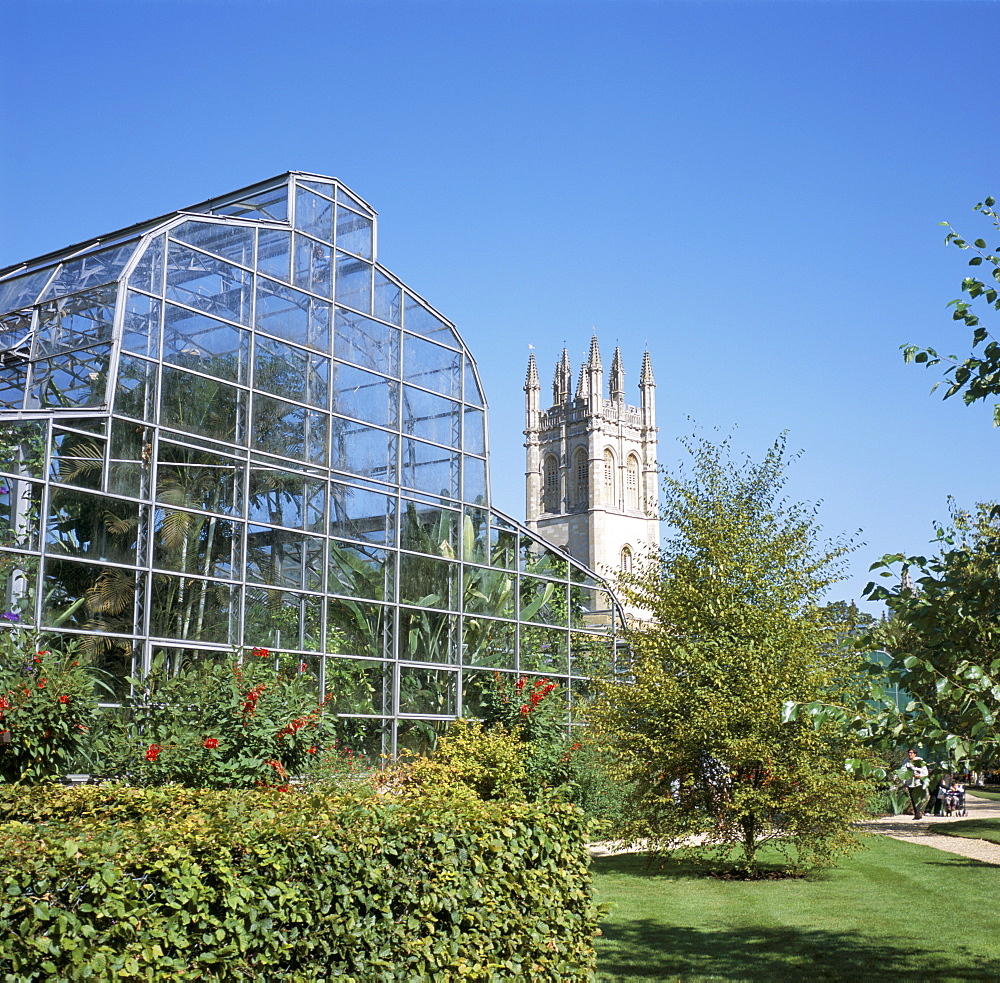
{"x":736,"y":632}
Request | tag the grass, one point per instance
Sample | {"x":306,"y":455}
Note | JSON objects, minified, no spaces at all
{"x":896,"y":911}
{"x":986,"y":792}
{"x":976,"y":829}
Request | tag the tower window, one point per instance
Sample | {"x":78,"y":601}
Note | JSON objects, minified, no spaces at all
{"x":609,"y":477}
{"x":632,"y":483}
{"x":550,"y":491}
{"x":626,"y":559}
{"x":581,"y":471}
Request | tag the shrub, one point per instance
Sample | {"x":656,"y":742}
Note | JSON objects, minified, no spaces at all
{"x":119,"y":883}
{"x":47,"y":706}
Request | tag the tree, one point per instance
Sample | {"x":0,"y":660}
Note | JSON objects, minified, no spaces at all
{"x":977,"y":376}
{"x":736,"y":631}
{"x":943,"y":641}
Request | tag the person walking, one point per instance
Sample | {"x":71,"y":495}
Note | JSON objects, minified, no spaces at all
{"x":914,"y":774}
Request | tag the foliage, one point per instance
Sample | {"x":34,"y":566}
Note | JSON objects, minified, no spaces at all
{"x":254,"y":720}
{"x":736,"y":631}
{"x":47,"y":706}
{"x":117,"y":883}
{"x":943,"y":642}
{"x":977,"y":376}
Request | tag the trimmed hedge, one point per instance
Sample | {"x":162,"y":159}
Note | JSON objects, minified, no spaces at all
{"x":113,"y":882}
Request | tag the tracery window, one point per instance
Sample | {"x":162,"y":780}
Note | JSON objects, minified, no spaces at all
{"x":550,"y":489}
{"x":632,"y":483}
{"x":626,"y":559}
{"x":609,"y":477}
{"x":581,"y":473}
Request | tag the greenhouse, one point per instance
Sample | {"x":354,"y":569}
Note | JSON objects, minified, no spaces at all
{"x":230,"y":428}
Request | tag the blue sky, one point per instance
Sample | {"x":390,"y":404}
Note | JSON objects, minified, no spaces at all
{"x":750,"y":190}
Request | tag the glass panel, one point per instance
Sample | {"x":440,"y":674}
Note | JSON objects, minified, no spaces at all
{"x":323,"y":187}
{"x":359,"y":513}
{"x":345,"y":197}
{"x":286,"y":498}
{"x":292,"y":315}
{"x":208,"y":284}
{"x":202,"y":344}
{"x":430,"y":417}
{"x":77,"y":459}
{"x":428,"y":691}
{"x":388,"y":299}
{"x":488,"y":591}
{"x":274,"y":253}
{"x":354,"y":283}
{"x":13,"y":384}
{"x":135,"y":394}
{"x":428,"y":581}
{"x":543,"y":601}
{"x":20,"y":508}
{"x":232,"y":243}
{"x":429,"y":529}
{"x":91,"y":270}
{"x":363,"y":450}
{"x":15,"y":332}
{"x":22,"y":448}
{"x":197,"y":543}
{"x":198,"y":479}
{"x":314,"y":214}
{"x":358,"y":628}
{"x":474,"y":487}
{"x":130,"y":454}
{"x":284,"y":558}
{"x":418,"y":737}
{"x":292,"y":372}
{"x":354,"y":233}
{"x":544,"y":649}
{"x":503,"y":544}
{"x":473,"y":391}
{"x":85,"y":595}
{"x":205,"y":406}
{"x":271,"y":204}
{"x":91,"y":526}
{"x":75,"y":321}
{"x":192,"y":609}
{"x":431,"y":366}
{"x":282,"y":619}
{"x":355,"y":685}
{"x":77,"y":379}
{"x":477,"y":687}
{"x":474,"y":433}
{"x":488,"y":643}
{"x":420,"y":320}
{"x":141,"y":326}
{"x":361,"y":571}
{"x":313,"y":266}
{"x":18,"y":588}
{"x":148,"y":272}
{"x":429,"y":468}
{"x":23,"y":291}
{"x":289,"y":430}
{"x":366,"y":342}
{"x":364,"y":396}
{"x":367,"y":738}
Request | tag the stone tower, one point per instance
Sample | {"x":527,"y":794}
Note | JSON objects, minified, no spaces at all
{"x":591,"y":477}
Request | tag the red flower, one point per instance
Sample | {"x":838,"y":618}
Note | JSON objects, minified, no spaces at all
{"x":154,"y":752}
{"x":4,"y":703}
{"x":261,"y":653}
{"x":41,"y":683}
{"x":211,"y":743}
{"x":303,"y":667}
{"x":311,"y":750}
{"x":525,"y":710}
{"x":64,"y":699}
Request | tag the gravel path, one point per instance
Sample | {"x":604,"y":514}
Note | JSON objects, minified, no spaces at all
{"x":917,"y":830}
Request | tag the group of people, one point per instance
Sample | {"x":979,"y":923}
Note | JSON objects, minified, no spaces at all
{"x":948,"y":796}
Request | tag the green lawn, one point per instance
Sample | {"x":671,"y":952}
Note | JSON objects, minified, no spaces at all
{"x":976,"y":829}
{"x":986,"y":792}
{"x":895,"y":912}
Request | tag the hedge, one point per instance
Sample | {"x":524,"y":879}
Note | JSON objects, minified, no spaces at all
{"x":114,"y":882}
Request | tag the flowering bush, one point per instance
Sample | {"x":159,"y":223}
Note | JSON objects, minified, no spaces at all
{"x":47,"y":707}
{"x":254,"y":720}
